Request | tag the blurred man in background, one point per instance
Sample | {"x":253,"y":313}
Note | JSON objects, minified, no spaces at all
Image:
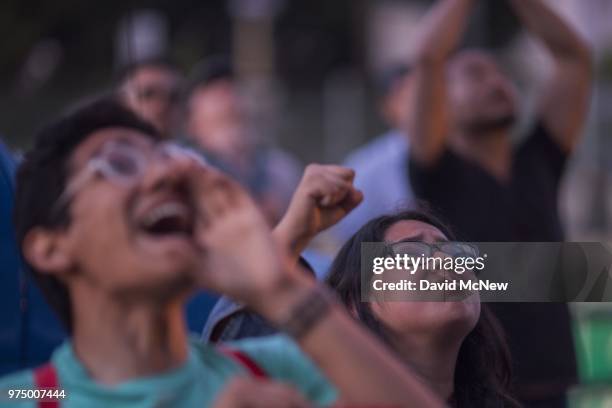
{"x":217,"y":122}
{"x":462,"y":162}
{"x":151,"y":88}
{"x":384,"y":158}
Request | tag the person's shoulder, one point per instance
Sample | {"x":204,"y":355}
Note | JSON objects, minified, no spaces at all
{"x":7,"y":160}
{"x":277,"y":354}
{"x":281,"y":162}
{"x":280,"y":155}
{"x":278,"y":342}
{"x":224,"y":307}
{"x":378,"y":150}
{"x":281,"y":358}
{"x":447,"y":167}
{"x":4,"y":151}
{"x":539,"y":133}
{"x":212,"y":360}
{"x":204,"y":351}
{"x":540,"y":144}
{"x":16,"y":382}
{"x":23,"y":379}
{"x":281,"y":170}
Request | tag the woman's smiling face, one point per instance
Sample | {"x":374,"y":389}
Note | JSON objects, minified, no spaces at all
{"x":444,"y":319}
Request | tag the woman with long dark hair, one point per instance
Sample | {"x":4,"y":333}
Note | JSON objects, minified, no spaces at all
{"x":457,"y":347}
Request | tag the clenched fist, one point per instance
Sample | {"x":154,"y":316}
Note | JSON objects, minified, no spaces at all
{"x":324,"y":196}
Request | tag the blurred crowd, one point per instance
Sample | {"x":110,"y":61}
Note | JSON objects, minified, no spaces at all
{"x":132,"y":201}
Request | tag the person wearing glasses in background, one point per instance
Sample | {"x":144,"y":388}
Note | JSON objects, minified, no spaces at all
{"x":152,"y":89}
{"x":120,"y":228}
{"x":455,"y":346}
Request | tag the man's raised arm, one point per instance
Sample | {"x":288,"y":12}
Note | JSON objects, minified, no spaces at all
{"x":428,"y":119}
{"x":565,"y":98}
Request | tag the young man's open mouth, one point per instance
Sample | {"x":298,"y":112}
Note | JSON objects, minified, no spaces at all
{"x":167,"y":219}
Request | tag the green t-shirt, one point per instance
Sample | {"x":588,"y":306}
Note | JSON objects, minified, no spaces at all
{"x":195,"y":384}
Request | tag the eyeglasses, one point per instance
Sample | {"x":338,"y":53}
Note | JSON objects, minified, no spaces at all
{"x":123,"y":164}
{"x":417,"y":249}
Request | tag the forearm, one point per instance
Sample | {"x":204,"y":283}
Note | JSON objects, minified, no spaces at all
{"x":571,"y":76}
{"x":441,"y":30}
{"x":559,"y":37}
{"x":359,"y":365}
{"x":361,"y":368}
{"x":290,"y":239}
{"x":427,"y":124}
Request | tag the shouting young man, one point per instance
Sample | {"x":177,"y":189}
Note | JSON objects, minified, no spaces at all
{"x":120,"y":229}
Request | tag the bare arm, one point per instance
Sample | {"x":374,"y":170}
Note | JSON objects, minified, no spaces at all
{"x":324,"y":196}
{"x":240,"y":260}
{"x":362,"y":370}
{"x":565,"y":99}
{"x":359,"y":366}
{"x":427,"y":124}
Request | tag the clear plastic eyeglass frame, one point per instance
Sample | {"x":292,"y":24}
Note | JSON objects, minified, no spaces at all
{"x":123,"y":164}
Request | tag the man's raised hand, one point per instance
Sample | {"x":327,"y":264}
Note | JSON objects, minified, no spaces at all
{"x":240,"y":257}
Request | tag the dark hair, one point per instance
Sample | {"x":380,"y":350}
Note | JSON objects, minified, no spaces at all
{"x":43,"y":174}
{"x":483,"y":370}
{"x":130,"y":69}
{"x":212,"y":69}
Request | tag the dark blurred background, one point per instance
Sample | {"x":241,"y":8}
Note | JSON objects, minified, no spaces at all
{"x":311,"y":66}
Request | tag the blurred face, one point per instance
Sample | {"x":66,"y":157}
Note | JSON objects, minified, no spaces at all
{"x":216,"y":117}
{"x":130,"y":237}
{"x":396,"y":103}
{"x":481,"y":96}
{"x":450,"y":319}
{"x":153,"y":93}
